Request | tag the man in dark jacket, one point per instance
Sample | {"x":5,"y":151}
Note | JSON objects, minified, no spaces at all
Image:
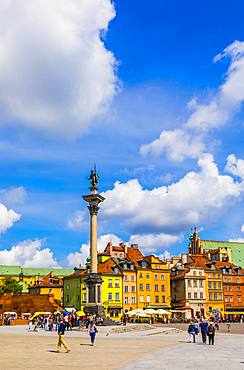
{"x":211,"y":333}
{"x":61,"y":341}
{"x":204,"y":329}
{"x":192,"y":333}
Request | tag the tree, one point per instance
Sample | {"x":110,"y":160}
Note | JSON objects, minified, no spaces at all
{"x":10,"y":285}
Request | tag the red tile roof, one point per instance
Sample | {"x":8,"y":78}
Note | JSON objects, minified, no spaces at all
{"x":134,"y":255}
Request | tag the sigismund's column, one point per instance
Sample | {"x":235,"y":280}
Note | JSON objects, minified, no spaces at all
{"x":93,"y":280}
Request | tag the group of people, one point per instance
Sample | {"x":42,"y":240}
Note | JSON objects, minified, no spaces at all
{"x":90,"y":325}
{"x":207,"y":330}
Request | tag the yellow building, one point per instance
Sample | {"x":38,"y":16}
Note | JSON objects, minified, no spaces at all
{"x":214,"y":289}
{"x":49,"y":284}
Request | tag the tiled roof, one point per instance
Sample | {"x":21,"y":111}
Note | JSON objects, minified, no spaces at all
{"x":180,"y":275}
{"x":46,"y":281}
{"x":134,"y":255}
{"x":106,"y":267}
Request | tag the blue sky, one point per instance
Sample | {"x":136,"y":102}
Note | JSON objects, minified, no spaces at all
{"x":62,"y":110}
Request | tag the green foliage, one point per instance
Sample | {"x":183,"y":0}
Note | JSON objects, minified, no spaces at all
{"x":10,"y":285}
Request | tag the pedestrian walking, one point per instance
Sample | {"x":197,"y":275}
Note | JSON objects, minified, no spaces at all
{"x":204,"y":329}
{"x":192,"y":333}
{"x":211,"y":333}
{"x":61,"y":341}
{"x":92,"y":332}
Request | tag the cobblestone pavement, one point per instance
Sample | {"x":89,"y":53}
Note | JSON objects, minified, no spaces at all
{"x":154,"y":348}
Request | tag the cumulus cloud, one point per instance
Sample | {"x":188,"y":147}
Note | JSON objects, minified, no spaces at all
{"x":172,"y":209}
{"x":154,"y":241}
{"x":7,"y":218}
{"x":235,"y":166}
{"x":179,"y":143}
{"x":28,"y":254}
{"x":175,"y":144}
{"x":58,"y":77}
{"x":77,"y":258}
{"x":13,"y":195}
{"x":78,"y":221}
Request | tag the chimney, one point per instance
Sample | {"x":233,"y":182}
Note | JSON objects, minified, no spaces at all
{"x":125,"y":249}
{"x":134,"y":246}
{"x":110,"y":248}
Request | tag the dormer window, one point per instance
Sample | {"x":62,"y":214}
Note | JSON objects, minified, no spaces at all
{"x":132,"y":267}
{"x":143,"y":264}
{"x":212,"y":266}
{"x":124,"y":265}
{"x":116,"y":270}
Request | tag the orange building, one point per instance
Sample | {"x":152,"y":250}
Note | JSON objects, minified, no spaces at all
{"x":48,"y":284}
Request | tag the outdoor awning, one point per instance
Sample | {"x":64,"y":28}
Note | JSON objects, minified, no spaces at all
{"x":234,"y":312}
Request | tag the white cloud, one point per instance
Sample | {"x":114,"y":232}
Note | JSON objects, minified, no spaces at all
{"x":238,"y":240}
{"x":28,"y":254}
{"x":165,"y":255}
{"x":7,"y":218}
{"x":14,"y":195}
{"x":172,"y":209}
{"x":59,"y":76}
{"x":154,"y":240}
{"x":235,"y":166}
{"x":76,"y":258}
{"x":175,"y":144}
{"x":189,"y":141}
{"x":78,"y":221}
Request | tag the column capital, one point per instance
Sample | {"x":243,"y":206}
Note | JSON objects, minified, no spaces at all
{"x":93,"y":209}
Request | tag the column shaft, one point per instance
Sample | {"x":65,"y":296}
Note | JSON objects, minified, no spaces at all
{"x":93,"y":242}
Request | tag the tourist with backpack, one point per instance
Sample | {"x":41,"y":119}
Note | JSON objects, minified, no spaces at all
{"x":211,"y":333}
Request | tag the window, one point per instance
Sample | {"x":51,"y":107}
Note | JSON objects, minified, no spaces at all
{"x":231,"y":299}
{"x":156,"y":299}
{"x":225,"y":287}
{"x":133,"y":300}
{"x":84,"y":297}
{"x":110,"y":296}
{"x":116,"y":270}
{"x":200,"y":273}
{"x":141,"y":299}
{"x":162,"y":288}
{"x":230,"y":288}
{"x":226,"y":299}
{"x":239,"y":299}
{"x":132,"y":277}
{"x":148,"y":299}
{"x":200,"y":283}
{"x":117,"y":296}
{"x":124,"y":265}
{"x":219,"y":275}
{"x":110,"y":283}
{"x":50,"y":290}
{"x":141,"y":275}
{"x":162,"y":277}
{"x":189,"y":282}
{"x":133,"y":288}
{"x":210,"y":285}
{"x":215,"y":296}
{"x":230,"y":280}
{"x":163,"y":299}
{"x":220,"y":296}
{"x":67,"y":298}
{"x":67,"y":286}
{"x":219,"y":285}
{"x":132,"y":267}
{"x":141,"y":287}
{"x":147,"y":286}
{"x":143,"y":264}
{"x":195,"y":283}
{"x":238,"y":280}
{"x":195,"y":295}
{"x":225,"y":280}
{"x":126,"y":277}
{"x":148,"y":276}
{"x":78,"y":298}
{"x":156,"y":277}
{"x":189,"y":295}
{"x":126,"y":300}
{"x":126,"y":289}
{"x":210,"y":296}
{"x":117,"y":283}
{"x":156,"y":287}
{"x":78,"y":285}
{"x":238,"y":288}
{"x":194,"y":273}
{"x":201,"y":295}
{"x":214,"y":285}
